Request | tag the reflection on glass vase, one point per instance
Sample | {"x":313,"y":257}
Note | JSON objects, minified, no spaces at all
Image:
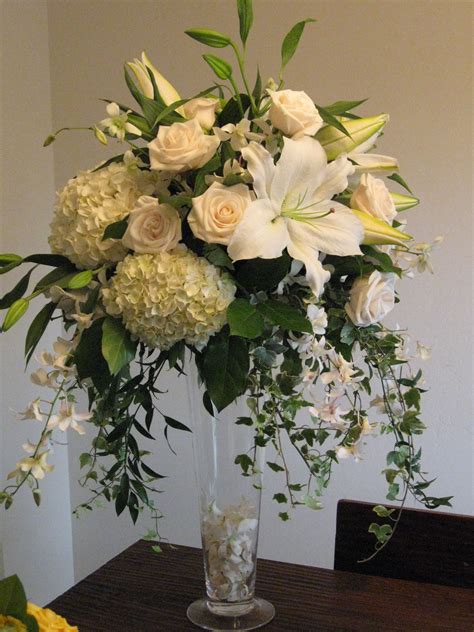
{"x":229,"y":504}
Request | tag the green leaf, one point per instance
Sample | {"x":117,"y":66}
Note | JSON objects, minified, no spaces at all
{"x":122,"y":496}
{"x":275,"y":467}
{"x":330,"y":119}
{"x":177,"y":425}
{"x":225,"y":368}
{"x":245,"y":11}
{"x":244,"y":320}
{"x":384,"y":261}
{"x":280,"y":498}
{"x":231,"y":111}
{"x":382,"y":512}
{"x":217,"y":255}
{"x":16,"y":311}
{"x":396,"y":177}
{"x":311,"y":502}
{"x":383,"y":532}
{"x":135,"y":92}
{"x":348,"y":334}
{"x":221,"y":68}
{"x":54,"y":261}
{"x":209,"y":37}
{"x":342,"y":107}
{"x":85,"y":459}
{"x":262,"y":274}
{"x":151,"y":472}
{"x":244,"y":421}
{"x":283,"y":515}
{"x":17,"y":292}
{"x":115,"y":230}
{"x":257,"y":89}
{"x":88,"y":357}
{"x":285,"y":316}
{"x":59,"y":277}
{"x":291,"y":41}
{"x":118,"y":348}
{"x":80,"y":280}
{"x":37,"y":328}
{"x":12,"y":597}
{"x":245,"y":462}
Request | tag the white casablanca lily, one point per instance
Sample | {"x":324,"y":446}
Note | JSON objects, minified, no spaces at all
{"x":294,"y":209}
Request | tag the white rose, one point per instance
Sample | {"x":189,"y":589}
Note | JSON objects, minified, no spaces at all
{"x":181,"y":147}
{"x":294,"y":113}
{"x":216,"y":214}
{"x":371,"y":298}
{"x":203,"y":110}
{"x":152,"y":227}
{"x":373,"y":197}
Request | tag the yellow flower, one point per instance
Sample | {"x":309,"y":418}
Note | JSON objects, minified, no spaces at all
{"x":10,"y":624}
{"x":49,"y":621}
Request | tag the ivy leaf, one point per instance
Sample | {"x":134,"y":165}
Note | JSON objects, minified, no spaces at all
{"x":285,"y":316}
{"x":217,"y":256}
{"x":245,"y":11}
{"x":118,"y":348}
{"x":244,"y":320}
{"x":225,"y":368}
{"x":280,"y":498}
{"x":291,"y":41}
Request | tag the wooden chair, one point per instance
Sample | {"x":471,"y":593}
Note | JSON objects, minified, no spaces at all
{"x":427,"y":546}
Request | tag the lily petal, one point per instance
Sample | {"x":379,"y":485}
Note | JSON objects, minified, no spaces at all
{"x":260,"y":233}
{"x":299,"y":172}
{"x":373,"y":162}
{"x":335,"y":179}
{"x":261,"y":167}
{"x":338,"y":233}
{"x":316,"y":275}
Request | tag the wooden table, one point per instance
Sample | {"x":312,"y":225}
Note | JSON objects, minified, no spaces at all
{"x":141,"y":591}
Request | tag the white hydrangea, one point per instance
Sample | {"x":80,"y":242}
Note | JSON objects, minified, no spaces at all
{"x":169,"y":296}
{"x":92,"y":201}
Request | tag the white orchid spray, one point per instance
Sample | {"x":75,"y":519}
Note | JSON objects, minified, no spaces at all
{"x":256,"y":232}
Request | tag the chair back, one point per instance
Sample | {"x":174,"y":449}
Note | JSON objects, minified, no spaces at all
{"x":427,"y":546}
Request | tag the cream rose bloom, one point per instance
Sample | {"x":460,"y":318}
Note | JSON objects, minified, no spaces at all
{"x":373,"y":197}
{"x":371,"y":298}
{"x":152,"y":227}
{"x":294,"y":113}
{"x":203,"y":110}
{"x":181,"y":147}
{"x":216,"y":214}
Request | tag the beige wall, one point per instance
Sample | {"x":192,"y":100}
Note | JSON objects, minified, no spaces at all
{"x":37,"y":542}
{"x":412,"y":58}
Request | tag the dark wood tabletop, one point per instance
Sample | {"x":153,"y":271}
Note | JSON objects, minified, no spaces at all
{"x":142,"y":591}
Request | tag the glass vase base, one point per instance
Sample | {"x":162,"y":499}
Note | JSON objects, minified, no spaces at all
{"x":257,"y":616}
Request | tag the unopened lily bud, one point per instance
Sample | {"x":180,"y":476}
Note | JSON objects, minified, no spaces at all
{"x":361,"y":130}
{"x":140,"y":69}
{"x":101,"y":137}
{"x":372,"y":163}
{"x":404,"y":202}
{"x":49,"y":139}
{"x":378,"y":233}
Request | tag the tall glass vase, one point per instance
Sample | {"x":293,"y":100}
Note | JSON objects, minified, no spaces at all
{"x":229,"y":505}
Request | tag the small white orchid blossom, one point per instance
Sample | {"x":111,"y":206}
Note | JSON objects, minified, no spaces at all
{"x":294,"y":209}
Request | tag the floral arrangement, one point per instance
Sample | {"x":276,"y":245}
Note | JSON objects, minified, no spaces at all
{"x":18,"y":615}
{"x":253,"y":230}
